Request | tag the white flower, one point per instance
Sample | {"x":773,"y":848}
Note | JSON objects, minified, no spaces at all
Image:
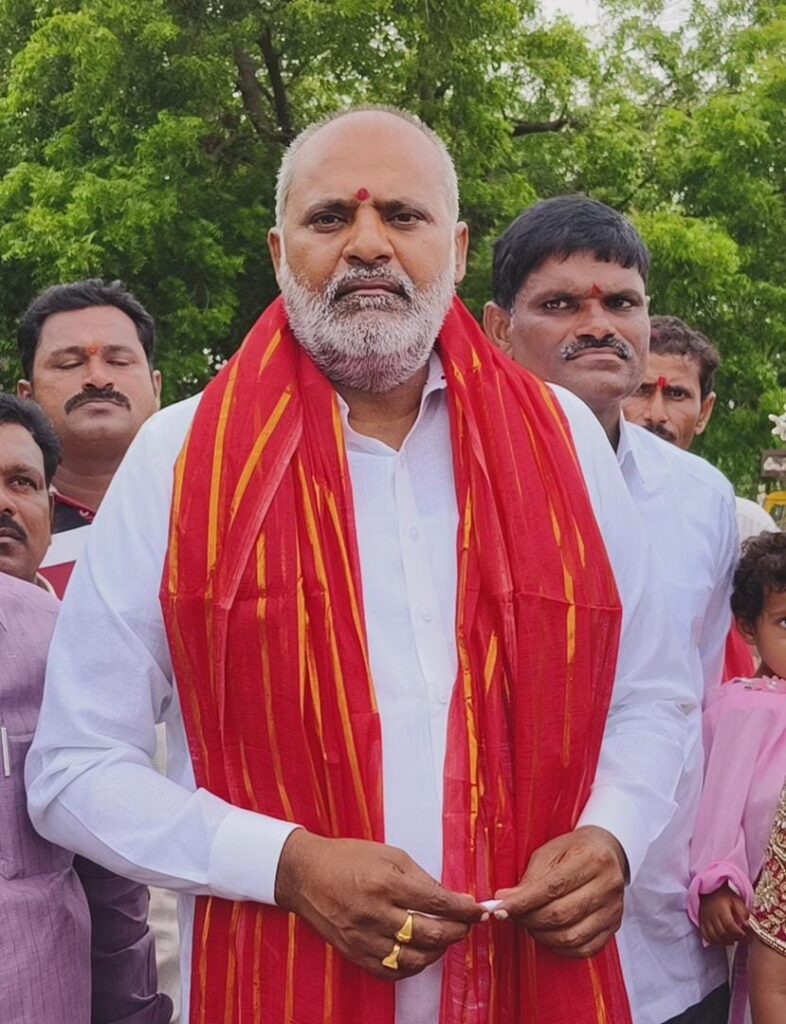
{"x":779,"y":430}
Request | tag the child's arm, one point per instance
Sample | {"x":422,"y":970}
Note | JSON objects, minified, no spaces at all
{"x":723,"y":917}
{"x":767,"y":970}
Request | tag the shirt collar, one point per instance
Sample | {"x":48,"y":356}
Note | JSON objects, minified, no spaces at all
{"x":635,"y":456}
{"x":435,"y":385}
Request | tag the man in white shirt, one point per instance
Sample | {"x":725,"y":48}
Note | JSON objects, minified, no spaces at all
{"x":570,"y":305}
{"x":367,"y":248}
{"x":676,"y":398}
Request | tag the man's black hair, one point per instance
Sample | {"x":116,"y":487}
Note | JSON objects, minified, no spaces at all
{"x":31,"y":416}
{"x":670,"y":336}
{"x":64,"y":298}
{"x":558,"y":229}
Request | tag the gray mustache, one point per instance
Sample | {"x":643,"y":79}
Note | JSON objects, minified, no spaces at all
{"x":616,"y":345}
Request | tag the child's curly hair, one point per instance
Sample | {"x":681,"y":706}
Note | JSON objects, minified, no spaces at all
{"x":762,"y":567}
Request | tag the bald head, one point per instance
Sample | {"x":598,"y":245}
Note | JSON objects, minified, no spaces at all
{"x":342,"y":141}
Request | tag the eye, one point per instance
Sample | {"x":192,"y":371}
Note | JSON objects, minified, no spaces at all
{"x":406,"y":218}
{"x":645,"y":390}
{"x":620,"y":302}
{"x":24,"y":483}
{"x":327,"y":221}
{"x":557,"y":305}
{"x":677,"y":394}
{"x":69,"y":364}
{"x":119,"y":362}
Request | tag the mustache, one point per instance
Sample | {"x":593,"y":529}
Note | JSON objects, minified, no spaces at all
{"x":660,"y":431}
{"x":98,"y":395}
{"x":401,"y":286}
{"x":13,"y":527}
{"x":609,"y":341}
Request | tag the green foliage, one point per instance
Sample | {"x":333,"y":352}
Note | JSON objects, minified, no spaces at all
{"x":141,"y":139}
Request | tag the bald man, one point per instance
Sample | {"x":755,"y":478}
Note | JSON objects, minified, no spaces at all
{"x":388,"y":681}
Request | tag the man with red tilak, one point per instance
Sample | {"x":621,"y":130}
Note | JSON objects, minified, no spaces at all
{"x":373,"y":581}
{"x":570,"y":305}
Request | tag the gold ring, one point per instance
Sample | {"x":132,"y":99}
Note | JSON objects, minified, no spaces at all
{"x":404,"y":934}
{"x":391,"y":960}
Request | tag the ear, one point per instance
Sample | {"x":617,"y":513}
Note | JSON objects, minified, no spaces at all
{"x":461,"y":241}
{"x":24,"y":389}
{"x":496,"y":324}
{"x":746,"y":629}
{"x":275,"y":248}
{"x":706,"y":411}
{"x":157,"y":382}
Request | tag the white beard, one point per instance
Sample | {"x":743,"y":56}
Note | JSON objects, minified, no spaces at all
{"x":368,"y":342}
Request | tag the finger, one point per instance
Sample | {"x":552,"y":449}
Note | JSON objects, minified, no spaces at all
{"x":580,"y":935}
{"x":741,"y":913}
{"x":534,"y":893}
{"x":569,"y":910}
{"x":427,"y":932}
{"x":410,"y":961}
{"x":729,"y":926}
{"x":421,"y":892}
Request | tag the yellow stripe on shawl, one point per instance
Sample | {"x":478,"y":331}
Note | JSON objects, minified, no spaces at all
{"x":327,"y":1006}
{"x":256,"y":999}
{"x":203,"y":956}
{"x":267,"y":682}
{"x":256,"y":452}
{"x":215,"y":476}
{"x":291,"y":954}
{"x":597,"y":991}
{"x":229,"y":995}
{"x":341,"y":690}
{"x":466,"y":676}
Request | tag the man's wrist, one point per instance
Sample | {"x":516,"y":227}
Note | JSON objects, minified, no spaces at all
{"x":289,"y":870}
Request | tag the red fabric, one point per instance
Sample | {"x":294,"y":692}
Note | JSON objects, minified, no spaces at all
{"x":263,"y":606}
{"x":738,"y":662}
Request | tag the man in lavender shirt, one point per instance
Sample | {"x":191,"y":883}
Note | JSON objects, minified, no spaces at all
{"x":54,"y":969}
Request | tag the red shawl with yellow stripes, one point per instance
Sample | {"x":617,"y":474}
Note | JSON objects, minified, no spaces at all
{"x":263,"y":605}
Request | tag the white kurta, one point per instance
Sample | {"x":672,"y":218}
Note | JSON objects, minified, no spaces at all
{"x":688,"y":510}
{"x":92,"y":786}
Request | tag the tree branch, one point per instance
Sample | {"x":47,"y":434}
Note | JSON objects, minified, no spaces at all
{"x":521,"y":128}
{"x":272,"y":60}
{"x":252,"y":93}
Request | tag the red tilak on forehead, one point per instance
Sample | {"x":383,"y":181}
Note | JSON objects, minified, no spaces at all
{"x":595,"y":292}
{"x":92,"y":350}
{"x":362,"y":195}
{"x":661,"y":383}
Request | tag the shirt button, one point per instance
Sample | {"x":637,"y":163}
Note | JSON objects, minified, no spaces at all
{"x":414,"y":533}
{"x":426,"y":614}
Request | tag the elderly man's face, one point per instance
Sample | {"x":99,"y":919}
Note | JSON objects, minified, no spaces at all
{"x":25,"y":523}
{"x":369,"y":251}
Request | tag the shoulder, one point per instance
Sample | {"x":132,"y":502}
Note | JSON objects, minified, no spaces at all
{"x":161,"y":438}
{"x":688,"y":470}
{"x":749,"y":695}
{"x":752,"y":519}
{"x":19,"y":599}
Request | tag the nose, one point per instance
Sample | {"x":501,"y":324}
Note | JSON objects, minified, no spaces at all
{"x":8,"y":503}
{"x":368,"y":244}
{"x":97,"y":376}
{"x":656,"y":409}
{"x":594,"y":321}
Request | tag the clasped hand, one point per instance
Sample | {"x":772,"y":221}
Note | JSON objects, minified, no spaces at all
{"x":357,"y":895}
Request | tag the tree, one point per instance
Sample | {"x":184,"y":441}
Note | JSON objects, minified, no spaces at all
{"x":141,"y":140}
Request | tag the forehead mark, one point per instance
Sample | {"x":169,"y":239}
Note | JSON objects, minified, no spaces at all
{"x":92,"y":350}
{"x":661,"y":383}
{"x":595,"y":292}
{"x":362,"y":195}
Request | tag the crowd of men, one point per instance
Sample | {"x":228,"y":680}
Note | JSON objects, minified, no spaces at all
{"x":384,"y":655}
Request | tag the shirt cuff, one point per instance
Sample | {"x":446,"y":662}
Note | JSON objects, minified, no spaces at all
{"x":245,"y":854}
{"x":615,"y":810}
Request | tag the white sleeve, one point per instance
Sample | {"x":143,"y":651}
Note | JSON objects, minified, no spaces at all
{"x":653,"y":714}
{"x":92,"y":785}
{"x":717,"y":616}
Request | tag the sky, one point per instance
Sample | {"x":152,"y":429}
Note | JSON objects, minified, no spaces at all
{"x":587,"y":12}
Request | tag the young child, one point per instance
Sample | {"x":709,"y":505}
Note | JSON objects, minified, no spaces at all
{"x":745,"y":765}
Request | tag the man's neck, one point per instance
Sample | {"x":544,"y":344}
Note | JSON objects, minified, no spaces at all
{"x":85,"y":484}
{"x":609,"y":419}
{"x":388,"y":417}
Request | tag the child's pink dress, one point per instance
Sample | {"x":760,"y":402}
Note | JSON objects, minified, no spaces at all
{"x":745,"y":767}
